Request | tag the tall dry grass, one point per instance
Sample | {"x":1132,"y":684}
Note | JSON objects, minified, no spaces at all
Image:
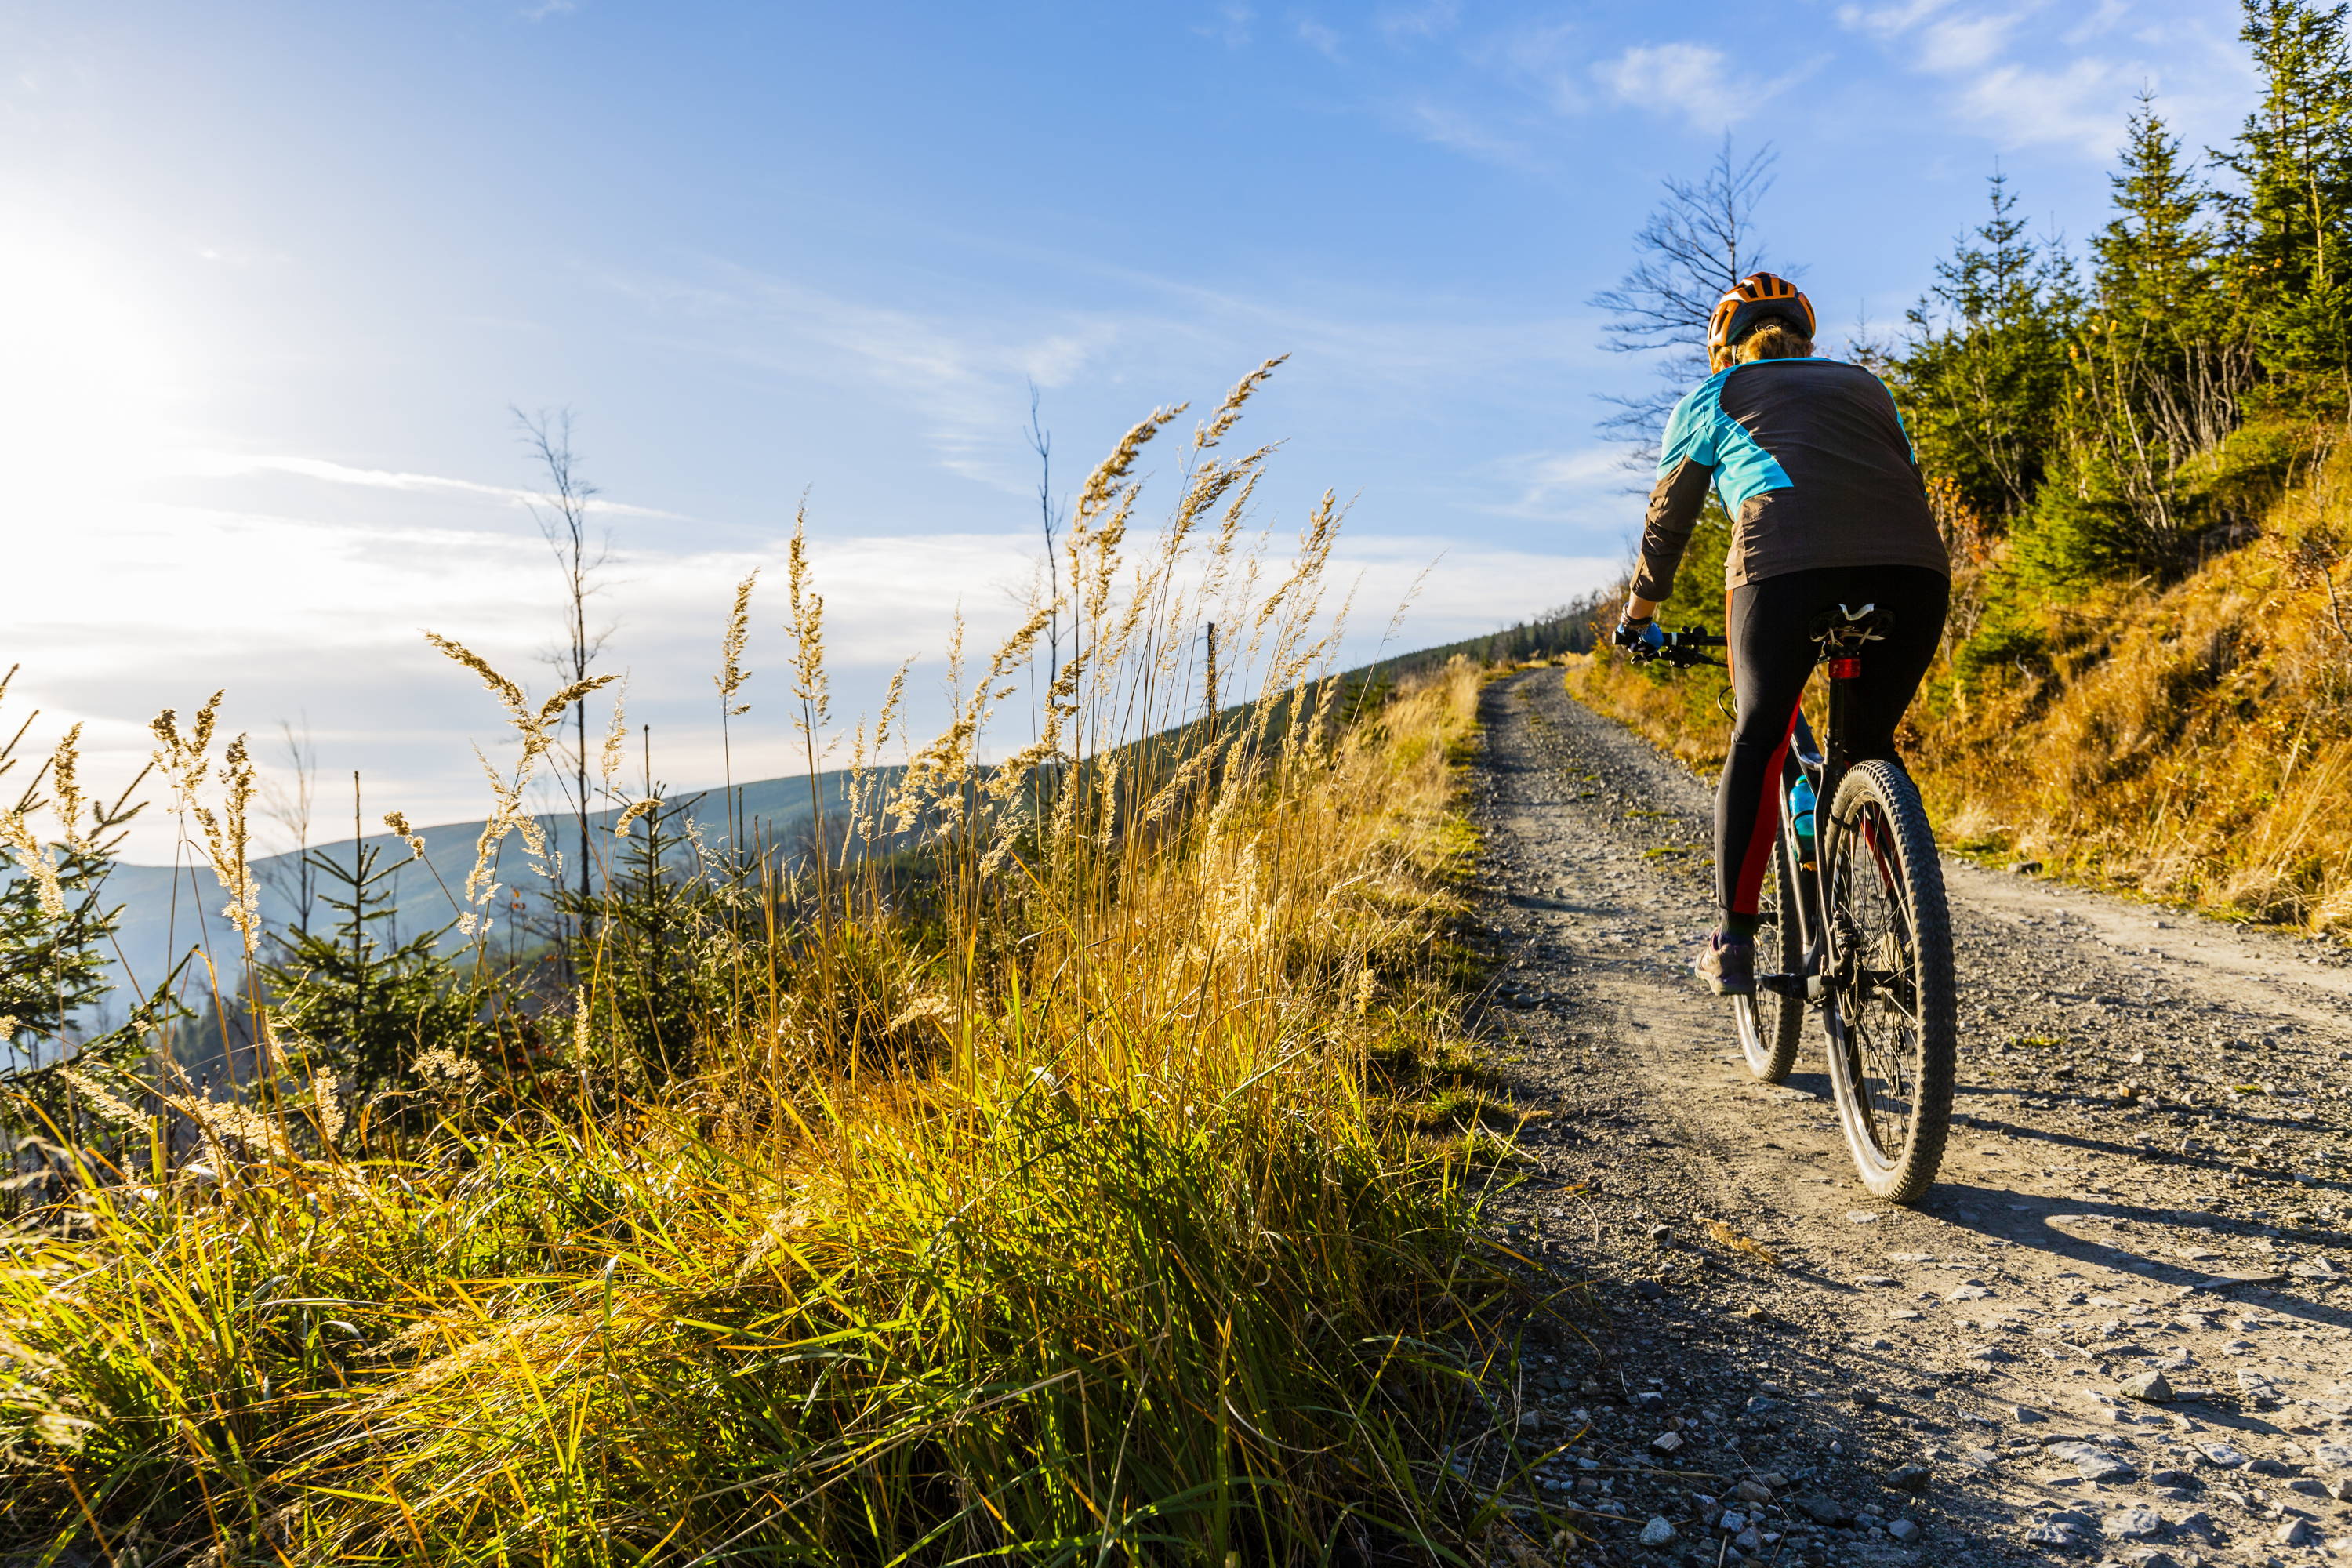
{"x":1040,"y":1199}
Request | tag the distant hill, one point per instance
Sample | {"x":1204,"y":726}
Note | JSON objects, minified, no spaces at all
{"x":158,"y":927}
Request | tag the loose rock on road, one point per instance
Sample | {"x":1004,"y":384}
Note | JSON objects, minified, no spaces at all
{"x":2115,"y":1329}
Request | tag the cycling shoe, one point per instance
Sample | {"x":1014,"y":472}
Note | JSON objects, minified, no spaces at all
{"x":1727,"y":967}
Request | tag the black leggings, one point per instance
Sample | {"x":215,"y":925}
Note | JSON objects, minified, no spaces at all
{"x":1773,"y":652}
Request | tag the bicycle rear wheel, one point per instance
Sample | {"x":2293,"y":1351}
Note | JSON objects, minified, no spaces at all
{"x":1770,"y":1024}
{"x":1894,"y":1040}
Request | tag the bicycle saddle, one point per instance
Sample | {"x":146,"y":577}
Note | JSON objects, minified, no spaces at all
{"x":1847,"y":627}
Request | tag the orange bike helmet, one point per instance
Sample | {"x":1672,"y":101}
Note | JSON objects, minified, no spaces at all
{"x":1755,"y":298}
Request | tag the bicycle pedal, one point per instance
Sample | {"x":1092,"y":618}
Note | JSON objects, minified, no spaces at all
{"x":1781,"y":985}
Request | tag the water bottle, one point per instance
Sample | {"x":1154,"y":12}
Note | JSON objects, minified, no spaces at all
{"x":1801,"y":812}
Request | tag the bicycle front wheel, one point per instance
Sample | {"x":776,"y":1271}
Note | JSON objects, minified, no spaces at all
{"x":1770,"y":1023}
{"x":1894,"y":1040}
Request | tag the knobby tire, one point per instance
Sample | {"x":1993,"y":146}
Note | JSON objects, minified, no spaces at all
{"x":1771,"y":1026}
{"x":1898,"y":855}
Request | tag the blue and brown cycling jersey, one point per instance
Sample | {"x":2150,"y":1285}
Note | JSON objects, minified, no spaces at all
{"x":1814,"y":469}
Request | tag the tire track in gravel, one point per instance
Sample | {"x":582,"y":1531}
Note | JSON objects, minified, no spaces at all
{"x":2148,"y":1173}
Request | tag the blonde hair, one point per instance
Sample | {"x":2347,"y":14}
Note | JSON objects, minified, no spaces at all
{"x":1771,"y":338}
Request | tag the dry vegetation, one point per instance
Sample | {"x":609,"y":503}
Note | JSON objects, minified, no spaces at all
{"x":1053,"y":1188}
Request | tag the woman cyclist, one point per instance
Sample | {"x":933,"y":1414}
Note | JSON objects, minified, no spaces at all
{"x":1822,"y":489}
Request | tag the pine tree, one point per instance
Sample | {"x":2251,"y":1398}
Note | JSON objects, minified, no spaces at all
{"x":2157,"y":375}
{"x":659,"y":946}
{"x":2290,"y":222}
{"x":2155,"y":257}
{"x":373,"y":1004}
{"x":1984,"y":372}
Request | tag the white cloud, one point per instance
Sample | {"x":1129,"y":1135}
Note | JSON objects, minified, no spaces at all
{"x":1584,"y":485}
{"x":2020,"y":101}
{"x":1231,"y":27}
{"x":962,"y":373}
{"x":1888,"y":21}
{"x":2086,"y":104}
{"x":1684,"y":78}
{"x":225,"y":464}
{"x":1447,"y":126}
{"x":1317,"y":36}
{"x":1423,"y":21}
{"x":2107,"y":18}
{"x":1953,"y":47}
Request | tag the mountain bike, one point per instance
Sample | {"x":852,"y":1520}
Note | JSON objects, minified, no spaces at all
{"x":1854,"y":918}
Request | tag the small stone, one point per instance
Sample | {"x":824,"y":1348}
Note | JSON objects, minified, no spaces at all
{"x":2202,"y":1527}
{"x":1774,"y":1480}
{"x":1649,"y":1398}
{"x":2295,"y":1533}
{"x":2309,"y":1486}
{"x":1666,"y":1442}
{"x":1967,"y":1293}
{"x":1755,"y":1491}
{"x":2098,"y":1464}
{"x":2134,"y":1523}
{"x":1988,"y":1353}
{"x":1904,"y":1531}
{"x":1659,"y":1232}
{"x":2221,"y":1456}
{"x":1980,"y":1459}
{"x":2056,"y":1537}
{"x":1732,"y":1523}
{"x":1748,"y":1541}
{"x":1909,"y":1478}
{"x":1659,"y":1532}
{"x":2150,"y":1387}
{"x":2024,"y":868}
{"x":1821,"y":1509}
{"x":1649,"y":1290}
{"x":2026,"y":1415}
{"x":1878,"y":1279}
{"x":2340,"y":1488}
{"x":1862,"y":1216}
{"x":2332,"y":1456}
{"x":2171,"y":1479}
{"x":2146,"y":1557}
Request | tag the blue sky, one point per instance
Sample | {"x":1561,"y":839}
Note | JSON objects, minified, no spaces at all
{"x":275,"y":273}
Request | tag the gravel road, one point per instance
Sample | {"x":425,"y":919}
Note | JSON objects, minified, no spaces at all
{"x":2148,"y":1174}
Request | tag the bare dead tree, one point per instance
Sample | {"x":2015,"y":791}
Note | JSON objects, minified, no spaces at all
{"x":286,"y":800}
{"x":562,"y":519}
{"x":1050,"y":515}
{"x":1697,"y":243}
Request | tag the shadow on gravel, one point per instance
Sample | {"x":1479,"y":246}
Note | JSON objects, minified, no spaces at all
{"x":2175,"y":1158}
{"x":2027,"y":1222}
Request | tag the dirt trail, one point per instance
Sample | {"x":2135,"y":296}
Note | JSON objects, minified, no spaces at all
{"x":2148,"y":1174}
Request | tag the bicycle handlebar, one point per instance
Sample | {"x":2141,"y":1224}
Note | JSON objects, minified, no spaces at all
{"x":1679,"y":649}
